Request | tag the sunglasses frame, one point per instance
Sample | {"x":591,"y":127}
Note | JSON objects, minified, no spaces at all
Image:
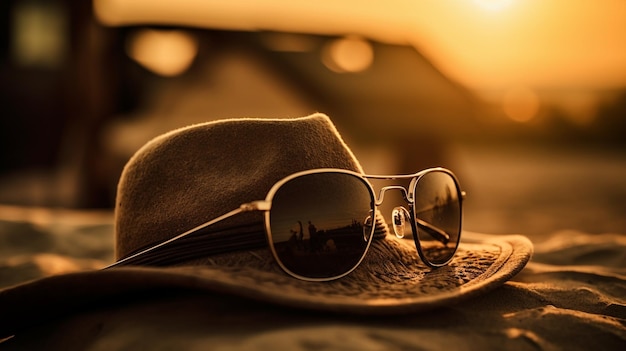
{"x":266,"y":206}
{"x":409,"y":197}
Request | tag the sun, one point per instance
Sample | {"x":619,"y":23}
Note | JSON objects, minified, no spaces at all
{"x":493,"y":5}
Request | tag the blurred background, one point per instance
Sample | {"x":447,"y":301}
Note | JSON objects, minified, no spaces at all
{"x":524,"y":100}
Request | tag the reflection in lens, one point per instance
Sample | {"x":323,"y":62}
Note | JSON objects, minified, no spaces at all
{"x":316,"y":223}
{"x":437,"y":212}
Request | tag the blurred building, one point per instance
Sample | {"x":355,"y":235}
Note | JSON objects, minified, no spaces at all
{"x":80,"y":97}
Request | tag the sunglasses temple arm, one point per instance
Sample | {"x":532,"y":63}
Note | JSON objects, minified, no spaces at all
{"x":435,"y":232}
{"x":243,"y":208}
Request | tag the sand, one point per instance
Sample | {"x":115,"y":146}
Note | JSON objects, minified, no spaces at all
{"x":571,"y":296}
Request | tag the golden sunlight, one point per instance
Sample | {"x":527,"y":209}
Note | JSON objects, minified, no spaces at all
{"x":164,"y":52}
{"x":543,"y":44}
{"x":484,"y":44}
{"x":493,"y":5}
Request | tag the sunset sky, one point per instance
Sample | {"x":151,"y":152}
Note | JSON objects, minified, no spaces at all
{"x":579,"y":44}
{"x":497,"y":47}
{"x":484,"y":43}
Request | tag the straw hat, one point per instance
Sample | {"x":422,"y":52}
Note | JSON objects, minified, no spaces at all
{"x":188,"y":176}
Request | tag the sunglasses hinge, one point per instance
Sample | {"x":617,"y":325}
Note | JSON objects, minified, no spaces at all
{"x":260,"y":205}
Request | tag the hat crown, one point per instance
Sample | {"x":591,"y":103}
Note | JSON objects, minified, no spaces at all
{"x":191,"y":175}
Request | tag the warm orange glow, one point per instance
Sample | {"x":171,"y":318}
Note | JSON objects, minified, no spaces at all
{"x":520,"y":104}
{"x":493,"y":5}
{"x":167,"y":53}
{"x":348,"y":55}
{"x":579,"y":107}
{"x":543,"y":44}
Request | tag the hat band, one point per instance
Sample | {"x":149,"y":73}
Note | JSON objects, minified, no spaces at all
{"x":207,"y":242}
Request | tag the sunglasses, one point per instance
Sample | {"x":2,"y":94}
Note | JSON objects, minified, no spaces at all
{"x":320,"y":223}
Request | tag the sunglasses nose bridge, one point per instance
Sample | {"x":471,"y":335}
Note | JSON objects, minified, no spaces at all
{"x":383,"y":190}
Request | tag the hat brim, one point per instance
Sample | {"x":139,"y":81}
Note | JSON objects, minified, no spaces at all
{"x":380,"y":285}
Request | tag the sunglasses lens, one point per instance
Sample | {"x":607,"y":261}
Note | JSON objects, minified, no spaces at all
{"x":317,"y":224}
{"x":438,"y":216}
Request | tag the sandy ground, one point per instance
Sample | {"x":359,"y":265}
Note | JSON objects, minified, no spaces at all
{"x":571,"y":296}
{"x":536,"y":191}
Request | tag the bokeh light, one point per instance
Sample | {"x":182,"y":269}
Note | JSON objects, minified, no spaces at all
{"x":520,"y":104}
{"x":348,"y":55}
{"x":39,"y":34}
{"x":164,"y":52}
